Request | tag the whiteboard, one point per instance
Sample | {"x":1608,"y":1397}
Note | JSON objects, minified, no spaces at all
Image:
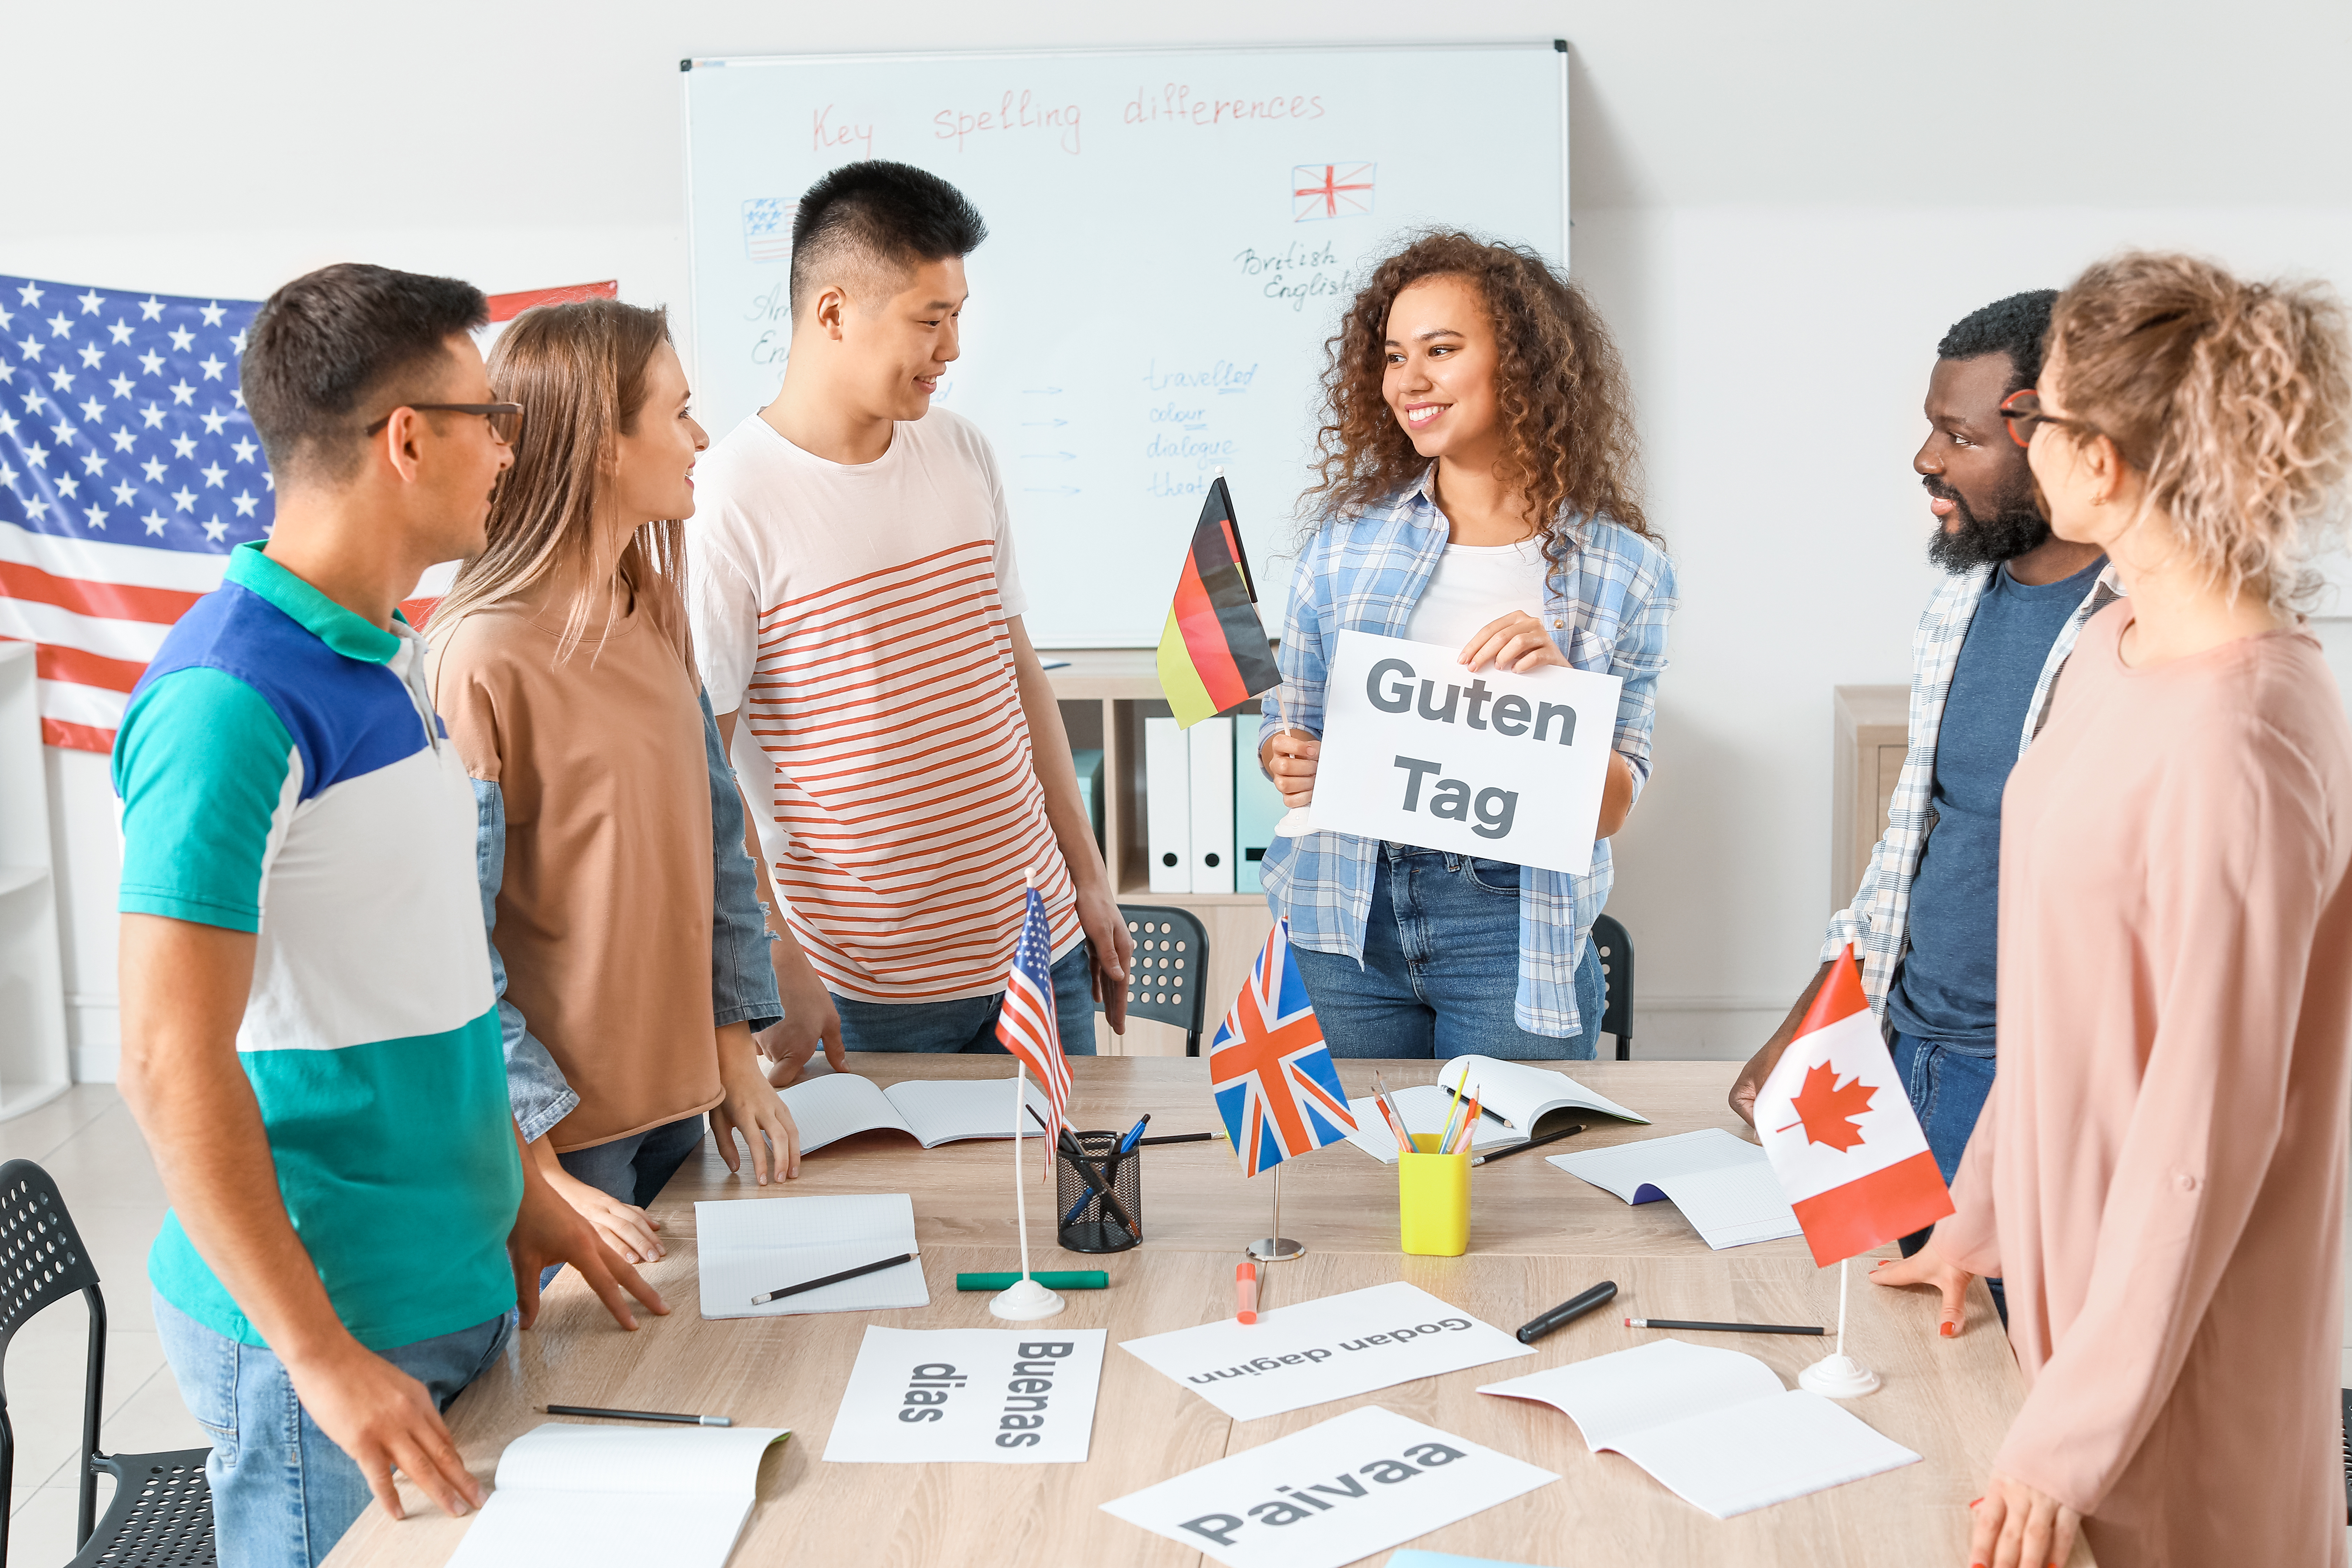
{"x":1172,"y":236}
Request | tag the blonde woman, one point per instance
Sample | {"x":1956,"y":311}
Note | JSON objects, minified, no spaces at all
{"x":2159,"y":1173}
{"x":627,"y":941}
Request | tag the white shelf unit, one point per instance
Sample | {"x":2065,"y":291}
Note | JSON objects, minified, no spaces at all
{"x":34,"y":1067}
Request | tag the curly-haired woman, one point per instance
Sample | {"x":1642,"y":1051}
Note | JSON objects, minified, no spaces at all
{"x":2159,"y":1173}
{"x":1478,"y":489}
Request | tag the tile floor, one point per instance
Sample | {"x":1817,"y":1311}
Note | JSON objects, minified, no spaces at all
{"x":87,"y":1140}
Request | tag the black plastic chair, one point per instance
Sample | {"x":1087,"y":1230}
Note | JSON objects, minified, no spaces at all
{"x":162,"y":1514}
{"x":1168,"y":983}
{"x":1616,"y":950}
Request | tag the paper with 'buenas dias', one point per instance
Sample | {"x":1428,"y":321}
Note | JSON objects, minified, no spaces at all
{"x":991,"y":1397}
{"x":1329,"y":1348}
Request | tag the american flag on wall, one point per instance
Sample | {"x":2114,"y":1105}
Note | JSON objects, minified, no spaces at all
{"x":129,"y":470}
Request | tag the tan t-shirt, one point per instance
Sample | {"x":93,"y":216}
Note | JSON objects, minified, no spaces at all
{"x":855,"y":616}
{"x":604,"y":915}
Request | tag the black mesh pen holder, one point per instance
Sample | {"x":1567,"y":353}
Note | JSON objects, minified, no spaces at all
{"x":1090,"y":1223}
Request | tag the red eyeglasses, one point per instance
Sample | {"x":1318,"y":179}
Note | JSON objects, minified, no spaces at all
{"x":2021,"y":411}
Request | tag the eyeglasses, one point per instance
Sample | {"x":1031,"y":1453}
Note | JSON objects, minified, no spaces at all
{"x":2021,"y":411}
{"x":505,"y":418}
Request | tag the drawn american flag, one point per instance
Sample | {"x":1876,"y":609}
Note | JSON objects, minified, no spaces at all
{"x":1331,"y":190}
{"x":1271,"y":1073}
{"x":129,"y":469}
{"x":1026,"y":1024}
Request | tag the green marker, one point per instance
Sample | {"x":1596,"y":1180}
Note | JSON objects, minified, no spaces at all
{"x":1075,"y":1280}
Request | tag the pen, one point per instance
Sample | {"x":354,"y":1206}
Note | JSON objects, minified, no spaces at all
{"x":1568,"y":1311}
{"x":1134,"y":1133}
{"x":639,"y":1416}
{"x":1179,"y":1138}
{"x":779,"y":1295}
{"x":1721,"y":1328}
{"x":1245,"y":1292}
{"x":1071,"y":1279}
{"x":1075,"y":1154}
{"x":1531,"y":1143}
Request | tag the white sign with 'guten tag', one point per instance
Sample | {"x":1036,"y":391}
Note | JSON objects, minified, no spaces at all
{"x":1419,"y":750}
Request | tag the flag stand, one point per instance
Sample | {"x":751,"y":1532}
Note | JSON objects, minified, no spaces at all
{"x":1837,"y":1374}
{"x":1278,"y":1248}
{"x":1025,"y":1300}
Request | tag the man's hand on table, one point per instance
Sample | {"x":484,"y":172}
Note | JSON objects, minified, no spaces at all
{"x":547,"y":1230}
{"x":384,"y":1420}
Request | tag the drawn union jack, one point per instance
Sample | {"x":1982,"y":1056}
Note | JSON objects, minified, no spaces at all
{"x":1269,"y":1069}
{"x":1329,"y":190}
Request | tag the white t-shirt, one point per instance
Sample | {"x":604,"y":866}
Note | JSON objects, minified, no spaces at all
{"x":1475,"y":583}
{"x":854,"y":614}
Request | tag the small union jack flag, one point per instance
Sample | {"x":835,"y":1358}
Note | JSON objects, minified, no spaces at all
{"x":1026,"y":1025}
{"x":1272,"y":1074}
{"x":1331,"y":190}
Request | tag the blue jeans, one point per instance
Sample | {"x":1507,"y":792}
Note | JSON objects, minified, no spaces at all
{"x":1441,"y":971}
{"x":1949,"y":1081}
{"x":283,"y":1494}
{"x":970,"y":1025}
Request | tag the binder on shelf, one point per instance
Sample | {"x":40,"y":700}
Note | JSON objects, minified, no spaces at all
{"x":1090,"y":763}
{"x":1257,"y":807}
{"x":1168,"y":805}
{"x":1213,"y":804}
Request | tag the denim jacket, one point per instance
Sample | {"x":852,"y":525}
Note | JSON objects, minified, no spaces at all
{"x":743,"y":982}
{"x":1606,"y":609}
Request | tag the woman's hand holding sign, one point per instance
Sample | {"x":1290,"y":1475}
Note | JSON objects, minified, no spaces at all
{"x":1517,"y":642}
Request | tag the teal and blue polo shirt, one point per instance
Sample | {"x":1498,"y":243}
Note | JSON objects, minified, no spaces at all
{"x":282,"y":772}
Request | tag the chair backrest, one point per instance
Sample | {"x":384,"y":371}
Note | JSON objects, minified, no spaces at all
{"x":1616,"y":950}
{"x":42,"y":1259}
{"x":42,"y":1262}
{"x":1167,"y":984}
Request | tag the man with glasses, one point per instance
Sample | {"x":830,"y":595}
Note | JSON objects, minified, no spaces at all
{"x":310,"y":1038}
{"x":1985,"y":660}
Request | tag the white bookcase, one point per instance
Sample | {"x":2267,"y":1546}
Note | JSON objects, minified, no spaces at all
{"x":33,"y":1062}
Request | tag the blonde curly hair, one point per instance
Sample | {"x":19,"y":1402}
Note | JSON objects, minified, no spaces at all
{"x":1567,"y":413}
{"x":2231,"y":399}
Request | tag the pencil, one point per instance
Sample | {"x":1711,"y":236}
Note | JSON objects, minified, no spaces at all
{"x":1531,"y":1143}
{"x":875,"y":1268}
{"x":1721,"y":1328}
{"x":640,"y":1416}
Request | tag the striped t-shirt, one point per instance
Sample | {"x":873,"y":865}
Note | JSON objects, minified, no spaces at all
{"x":282,"y":772}
{"x":854,"y":617}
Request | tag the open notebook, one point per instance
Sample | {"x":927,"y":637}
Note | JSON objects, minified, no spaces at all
{"x":1713,"y":1426}
{"x":932,"y":1111}
{"x":1514,"y":1102}
{"x":1724,"y":1185}
{"x":749,"y":1246}
{"x":588,"y":1496}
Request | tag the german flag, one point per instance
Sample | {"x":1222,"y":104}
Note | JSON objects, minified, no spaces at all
{"x":1212,"y":653}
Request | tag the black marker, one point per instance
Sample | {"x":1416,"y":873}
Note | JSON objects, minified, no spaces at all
{"x":1568,"y":1311}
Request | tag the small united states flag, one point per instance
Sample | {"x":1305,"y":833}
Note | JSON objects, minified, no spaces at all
{"x":1026,"y":1024}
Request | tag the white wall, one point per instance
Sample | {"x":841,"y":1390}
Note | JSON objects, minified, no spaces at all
{"x":1779,"y":209}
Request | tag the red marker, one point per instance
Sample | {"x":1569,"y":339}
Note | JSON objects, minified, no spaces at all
{"x":1245,"y":1292}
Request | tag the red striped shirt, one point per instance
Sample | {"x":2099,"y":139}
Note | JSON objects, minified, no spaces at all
{"x":856,"y":618}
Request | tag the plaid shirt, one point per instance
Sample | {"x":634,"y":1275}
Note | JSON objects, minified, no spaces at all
{"x":1878,"y":922}
{"x":1607,"y":607}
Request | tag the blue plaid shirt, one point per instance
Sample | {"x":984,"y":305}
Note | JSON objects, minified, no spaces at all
{"x":1607,"y":610}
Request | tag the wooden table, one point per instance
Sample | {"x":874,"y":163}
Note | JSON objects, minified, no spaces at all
{"x":1537,"y":1237}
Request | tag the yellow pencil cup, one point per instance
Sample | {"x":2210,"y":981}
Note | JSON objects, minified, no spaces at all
{"x":1434,"y":1200}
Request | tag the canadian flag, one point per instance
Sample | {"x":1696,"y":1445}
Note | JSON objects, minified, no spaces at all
{"x":1837,"y":1125}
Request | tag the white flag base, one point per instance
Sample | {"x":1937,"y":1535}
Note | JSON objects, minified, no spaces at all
{"x":1839,"y":1377}
{"x":1025,"y":1301}
{"x":1837,"y":1374}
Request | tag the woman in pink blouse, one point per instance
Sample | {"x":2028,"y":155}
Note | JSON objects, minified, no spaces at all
{"x":2159,"y":1173}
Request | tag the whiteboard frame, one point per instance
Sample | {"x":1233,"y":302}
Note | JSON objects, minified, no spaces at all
{"x":693,"y":63}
